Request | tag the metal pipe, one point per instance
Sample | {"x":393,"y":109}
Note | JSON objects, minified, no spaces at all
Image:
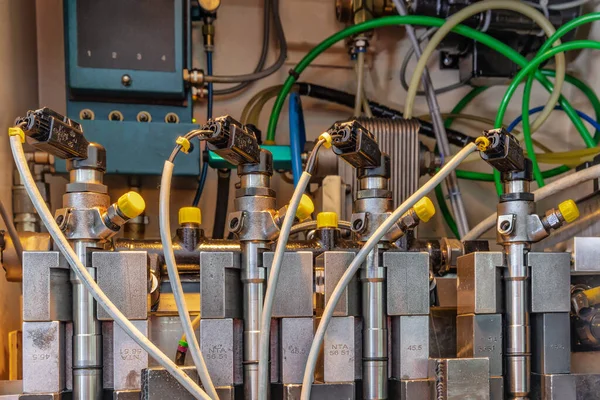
{"x":518,"y":341}
{"x":87,"y":335}
{"x":253,"y":279}
{"x":375,"y":352}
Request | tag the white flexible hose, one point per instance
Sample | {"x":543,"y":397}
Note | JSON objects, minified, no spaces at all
{"x":362,"y":255}
{"x":167,"y":244}
{"x":550,"y":189}
{"x":477,"y":8}
{"x":265,"y":322}
{"x":88,"y":280}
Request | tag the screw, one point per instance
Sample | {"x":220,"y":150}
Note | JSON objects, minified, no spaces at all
{"x":357,"y":225}
{"x":504,"y":226}
{"x":233,"y":223}
{"x":126,"y":80}
{"x":86,"y":114}
{"x":60,"y":219}
{"x":448,"y":61}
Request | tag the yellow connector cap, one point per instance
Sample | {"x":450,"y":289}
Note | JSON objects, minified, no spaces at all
{"x":131,"y":204}
{"x":482,"y":143}
{"x":190,"y":215}
{"x":327,"y":220}
{"x":17,"y":131}
{"x":424,"y":209}
{"x":569,"y":210}
{"x":327,"y":138}
{"x":305,"y":208}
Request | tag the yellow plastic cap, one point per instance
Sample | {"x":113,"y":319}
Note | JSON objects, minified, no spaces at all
{"x":569,"y":210}
{"x":327,"y":220}
{"x":482,"y":143}
{"x":131,"y":204}
{"x":190,"y":215}
{"x":17,"y":131}
{"x":305,"y":208}
{"x":424,"y":209}
{"x":327,"y":138}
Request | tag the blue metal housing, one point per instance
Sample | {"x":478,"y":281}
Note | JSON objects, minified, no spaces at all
{"x":133,"y":147}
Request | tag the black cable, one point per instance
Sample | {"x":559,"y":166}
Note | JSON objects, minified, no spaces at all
{"x":266,"y":72}
{"x":263,"y":53}
{"x":222,"y":202}
{"x":347,"y":99}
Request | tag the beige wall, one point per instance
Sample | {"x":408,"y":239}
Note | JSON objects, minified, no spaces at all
{"x":18,"y":93}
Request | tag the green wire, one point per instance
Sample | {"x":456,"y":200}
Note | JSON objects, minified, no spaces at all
{"x":587,"y":138}
{"x":563,"y":30}
{"x":510,"y":91}
{"x":532,"y":66}
{"x":586,"y":90}
{"x":392,"y":21}
{"x":526,"y":127}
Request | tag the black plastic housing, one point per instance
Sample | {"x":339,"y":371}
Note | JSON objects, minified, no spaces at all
{"x":54,"y":133}
{"x":355,"y":144}
{"x":505,"y":154}
{"x":232,"y":141}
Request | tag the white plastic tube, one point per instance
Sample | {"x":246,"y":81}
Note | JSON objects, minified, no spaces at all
{"x":177,"y":289}
{"x":88,"y":280}
{"x":362,"y":255}
{"x":550,"y":189}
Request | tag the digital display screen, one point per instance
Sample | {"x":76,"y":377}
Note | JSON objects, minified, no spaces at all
{"x":126,"y":34}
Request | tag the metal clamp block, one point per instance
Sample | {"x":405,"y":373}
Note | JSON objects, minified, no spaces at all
{"x":123,"y":276}
{"x":43,"y":357}
{"x":480,"y":336}
{"x":551,"y":343}
{"x":460,"y":378}
{"x":220,"y":285}
{"x":329,"y":268}
{"x":295,"y":340}
{"x":221,"y":344}
{"x":124,"y":359}
{"x":554,"y":387}
{"x":342,"y":350}
{"x":480,"y":283}
{"x":159,"y":384}
{"x":407,"y":283}
{"x":550,"y":282}
{"x":47,"y":292}
{"x":294,"y":293}
{"x":410,"y":347}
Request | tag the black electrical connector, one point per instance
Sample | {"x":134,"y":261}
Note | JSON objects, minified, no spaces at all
{"x":503,"y":152}
{"x":355,"y":144}
{"x":54,"y":133}
{"x":232,"y":141}
{"x":380,"y":111}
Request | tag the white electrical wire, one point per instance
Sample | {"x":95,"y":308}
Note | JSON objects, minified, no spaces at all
{"x":550,"y":189}
{"x":265,"y":322}
{"x":82,"y":273}
{"x":167,"y":244}
{"x":362,"y":255}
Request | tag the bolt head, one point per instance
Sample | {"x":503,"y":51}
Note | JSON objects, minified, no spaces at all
{"x":126,"y":80}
